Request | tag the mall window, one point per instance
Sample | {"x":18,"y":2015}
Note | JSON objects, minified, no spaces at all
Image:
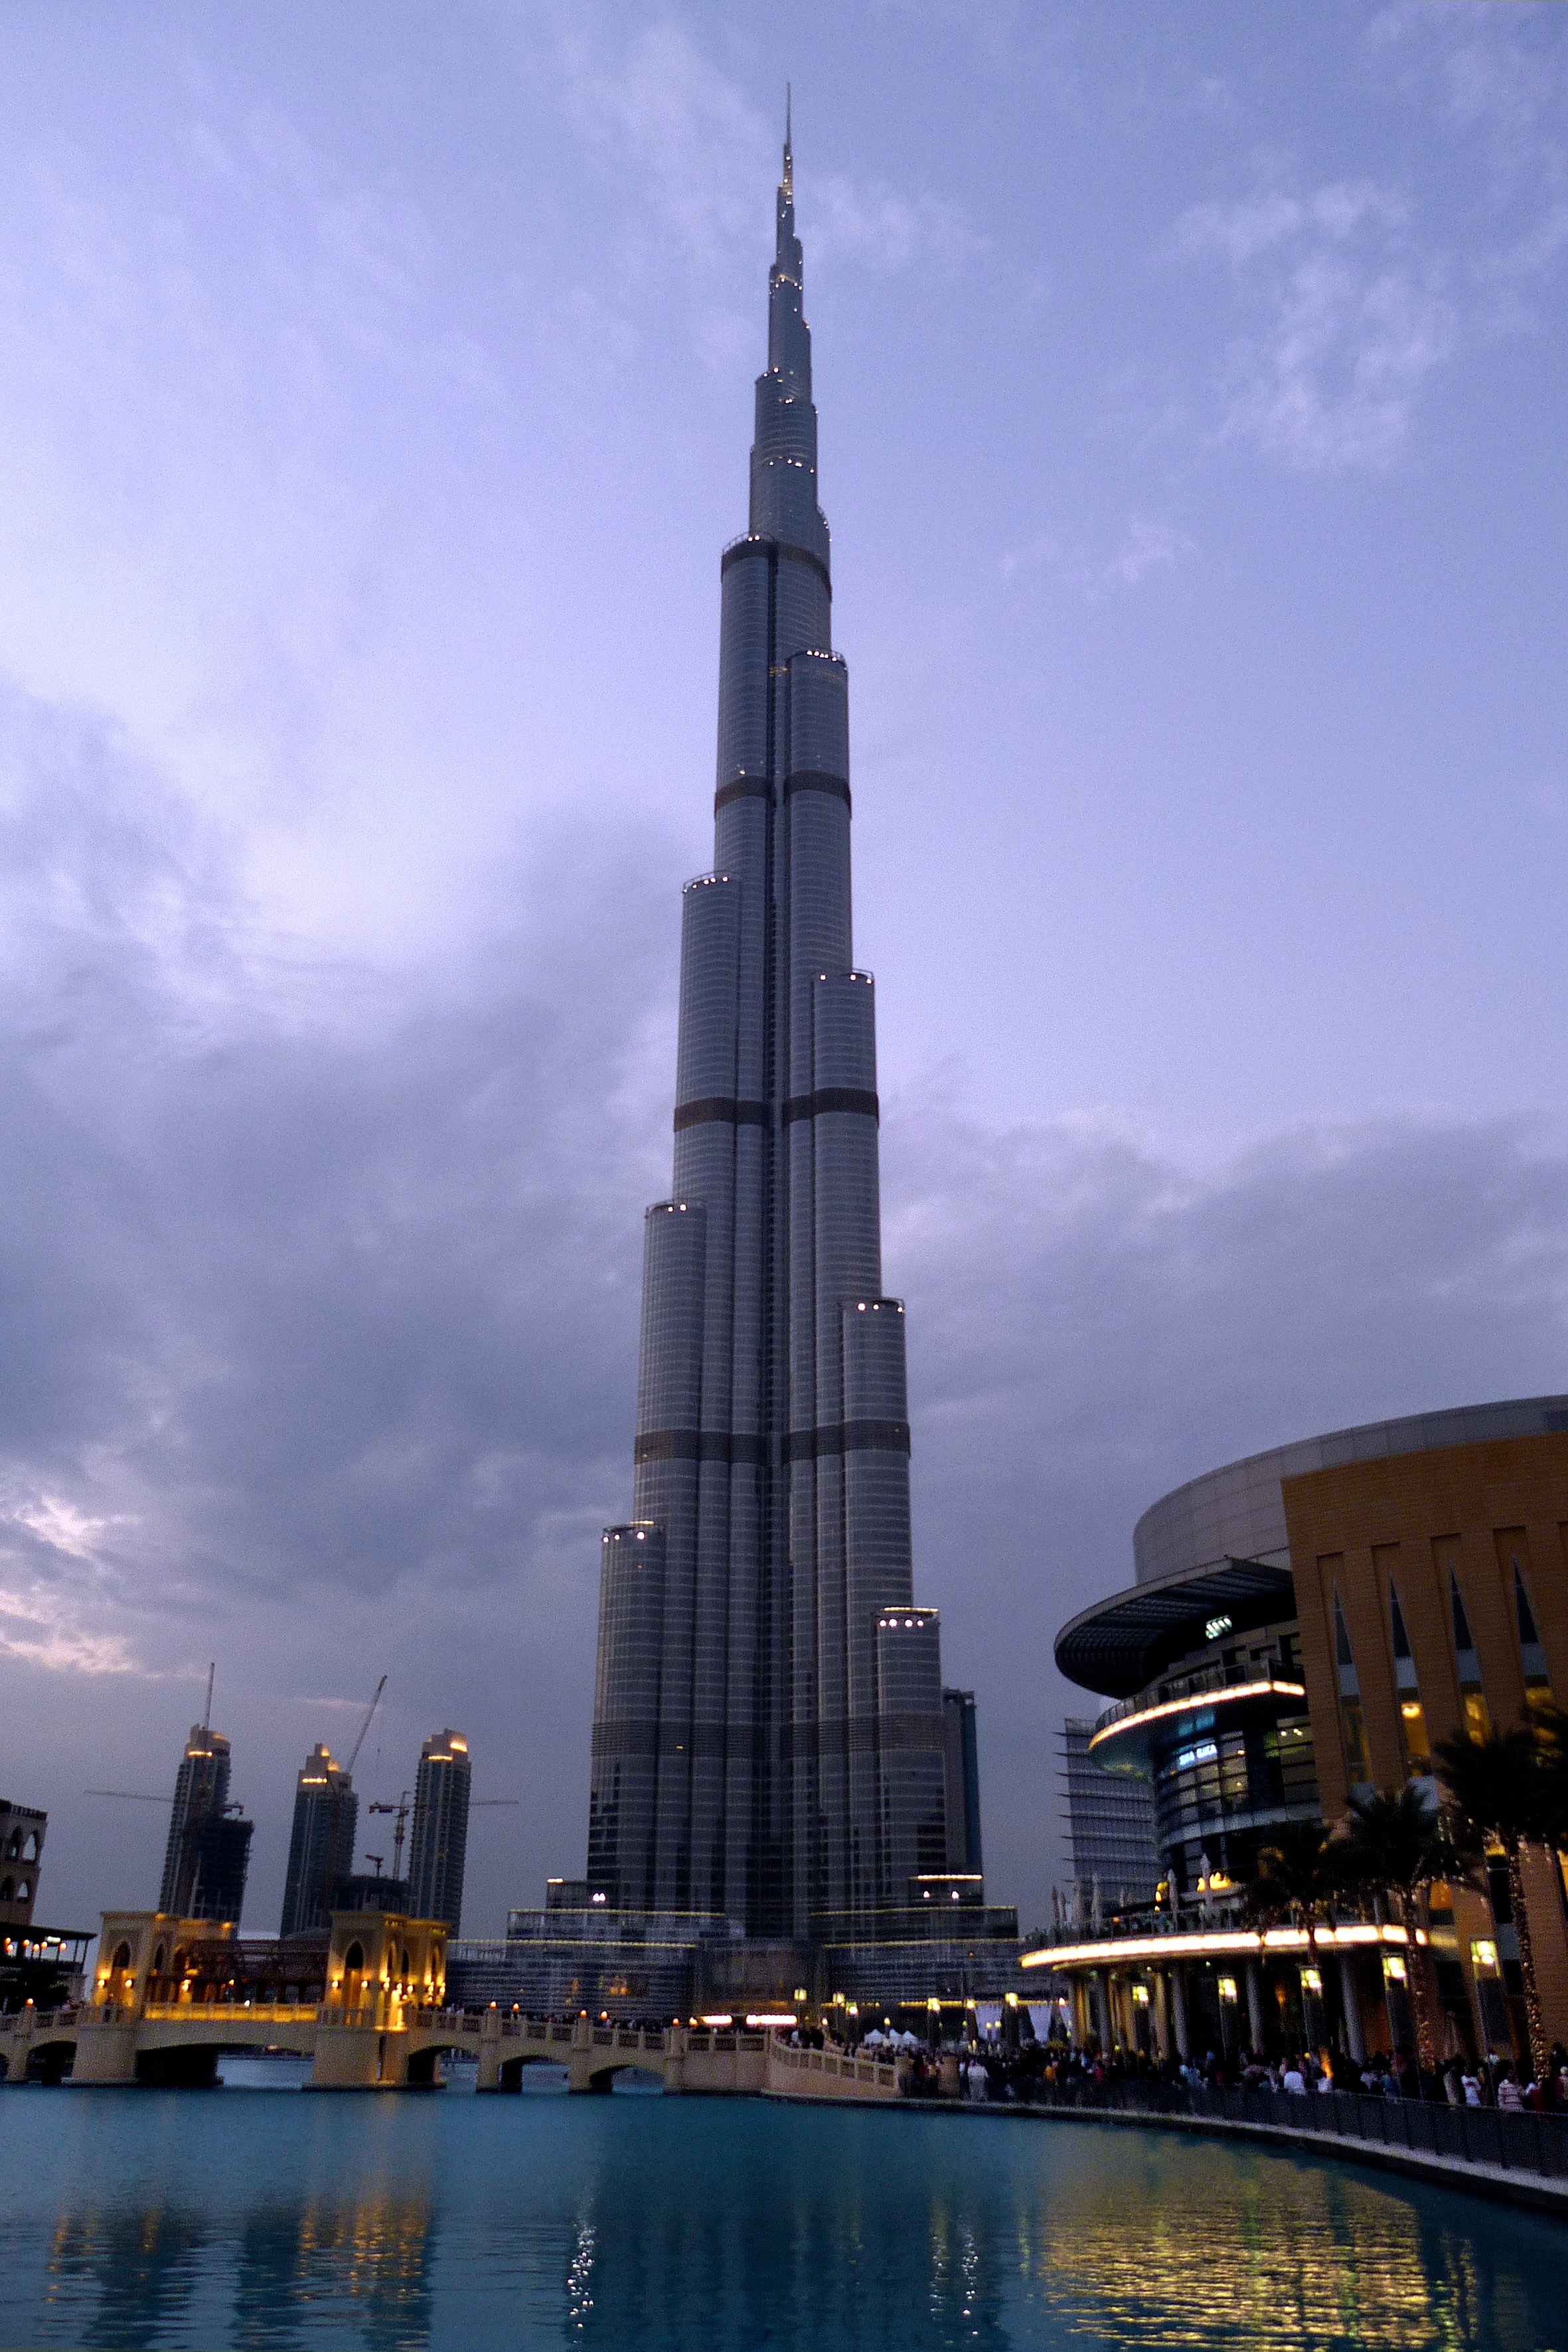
{"x":1412,"y":1731}
{"x":1357,"y":1769}
{"x":1472,"y":1698}
{"x":1532,"y":1656}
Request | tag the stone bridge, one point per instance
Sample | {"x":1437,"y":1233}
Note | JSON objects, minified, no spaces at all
{"x":169,"y":1996}
{"x":391,"y":2045}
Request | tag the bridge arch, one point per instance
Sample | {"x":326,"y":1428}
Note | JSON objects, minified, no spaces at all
{"x":425,"y":2064}
{"x":603,"y":2078}
{"x":512,"y":2071}
{"x":49,"y":2061}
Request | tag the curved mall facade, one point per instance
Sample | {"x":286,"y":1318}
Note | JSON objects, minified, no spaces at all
{"x":1306,"y":1622}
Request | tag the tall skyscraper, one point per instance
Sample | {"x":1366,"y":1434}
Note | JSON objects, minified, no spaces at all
{"x":209,"y":1853}
{"x":438,"y":1845}
{"x":321,"y":1843}
{"x":768,"y":1712}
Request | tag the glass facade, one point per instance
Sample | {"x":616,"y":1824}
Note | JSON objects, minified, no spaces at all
{"x":760,"y":1750}
{"x":1225,"y":1741}
{"x":1110,"y":1819}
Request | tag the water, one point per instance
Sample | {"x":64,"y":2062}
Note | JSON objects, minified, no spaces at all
{"x":268,"y":2218}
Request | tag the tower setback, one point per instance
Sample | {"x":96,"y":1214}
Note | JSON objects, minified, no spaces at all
{"x":768,"y":1729}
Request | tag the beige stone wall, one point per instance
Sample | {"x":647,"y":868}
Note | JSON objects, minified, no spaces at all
{"x":1471,"y":1509}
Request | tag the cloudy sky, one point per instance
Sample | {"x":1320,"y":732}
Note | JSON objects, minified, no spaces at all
{"x":374,"y":399}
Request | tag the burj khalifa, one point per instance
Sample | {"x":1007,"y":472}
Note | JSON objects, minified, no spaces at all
{"x":768,"y":1707}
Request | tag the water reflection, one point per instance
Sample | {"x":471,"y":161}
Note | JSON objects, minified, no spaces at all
{"x":1284,"y":2255}
{"x":657,"y":2225}
{"x":136,"y":2271}
{"x":362,"y":2264}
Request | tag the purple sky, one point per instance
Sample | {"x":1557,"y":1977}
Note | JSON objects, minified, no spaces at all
{"x":374,"y":399}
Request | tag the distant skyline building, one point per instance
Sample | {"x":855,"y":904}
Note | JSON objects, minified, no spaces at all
{"x":208,"y":1851}
{"x":1109,"y":1823}
{"x":769,"y":1736}
{"x":321,"y":1842}
{"x":437,"y":1847}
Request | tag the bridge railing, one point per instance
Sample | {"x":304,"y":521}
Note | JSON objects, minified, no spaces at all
{"x":846,"y":2066}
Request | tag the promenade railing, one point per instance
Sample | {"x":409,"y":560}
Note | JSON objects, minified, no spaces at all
{"x":1514,"y":2140}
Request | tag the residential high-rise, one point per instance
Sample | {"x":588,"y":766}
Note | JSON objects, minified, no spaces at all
{"x":321,"y":1843}
{"x":438,"y":1844}
{"x":208,"y":1852}
{"x":768,"y":1711}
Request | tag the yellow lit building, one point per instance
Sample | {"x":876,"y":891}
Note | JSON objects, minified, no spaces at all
{"x":1303,"y":1623}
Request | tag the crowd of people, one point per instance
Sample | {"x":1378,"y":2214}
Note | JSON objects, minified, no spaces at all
{"x":1052,"y":2072}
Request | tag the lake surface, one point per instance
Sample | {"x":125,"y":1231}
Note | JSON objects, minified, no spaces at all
{"x":236,"y":2218}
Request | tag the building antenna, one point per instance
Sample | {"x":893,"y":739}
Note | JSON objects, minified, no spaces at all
{"x":207,"y":1711}
{"x":789,"y":104}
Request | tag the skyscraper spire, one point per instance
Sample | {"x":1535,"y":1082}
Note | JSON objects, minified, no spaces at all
{"x":788,"y":156}
{"x":768,"y":1714}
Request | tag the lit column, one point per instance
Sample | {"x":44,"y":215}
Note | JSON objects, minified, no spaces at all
{"x":1160,"y":2003}
{"x":1356,"y":2041}
{"x":1179,"y":2009}
{"x":1254,"y":2004}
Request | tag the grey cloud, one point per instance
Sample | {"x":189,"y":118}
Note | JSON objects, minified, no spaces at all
{"x":1346,"y":317}
{"x":321,"y":1303}
{"x":312,"y":1274}
{"x":1092,"y":1324}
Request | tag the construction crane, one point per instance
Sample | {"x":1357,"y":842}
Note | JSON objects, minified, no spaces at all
{"x":139,"y":1796}
{"x":400,"y":1821}
{"x":364,"y":1726}
{"x":399,"y":1831}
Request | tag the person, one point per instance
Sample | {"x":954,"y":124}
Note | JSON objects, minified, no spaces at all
{"x":1469,"y":2083}
{"x":1510,"y":2097}
{"x":977,"y":2079}
{"x":1293,"y":2080}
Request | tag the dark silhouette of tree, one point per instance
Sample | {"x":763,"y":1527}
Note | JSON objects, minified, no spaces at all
{"x":1500,"y":1791}
{"x":1393,"y":1843}
{"x":1297,"y":1883}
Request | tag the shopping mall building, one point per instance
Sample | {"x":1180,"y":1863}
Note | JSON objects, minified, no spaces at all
{"x":1305,"y":1623}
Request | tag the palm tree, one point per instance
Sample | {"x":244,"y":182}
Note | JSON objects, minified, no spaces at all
{"x":1298,"y":1880}
{"x":1395,"y":1844}
{"x":1551,"y":1724}
{"x":1500,"y":1789}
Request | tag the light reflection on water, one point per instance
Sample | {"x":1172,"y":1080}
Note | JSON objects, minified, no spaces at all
{"x":147,"y":2219}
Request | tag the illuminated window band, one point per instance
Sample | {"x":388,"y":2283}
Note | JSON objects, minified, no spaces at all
{"x":1226,"y":1697}
{"x":1219,"y":1943}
